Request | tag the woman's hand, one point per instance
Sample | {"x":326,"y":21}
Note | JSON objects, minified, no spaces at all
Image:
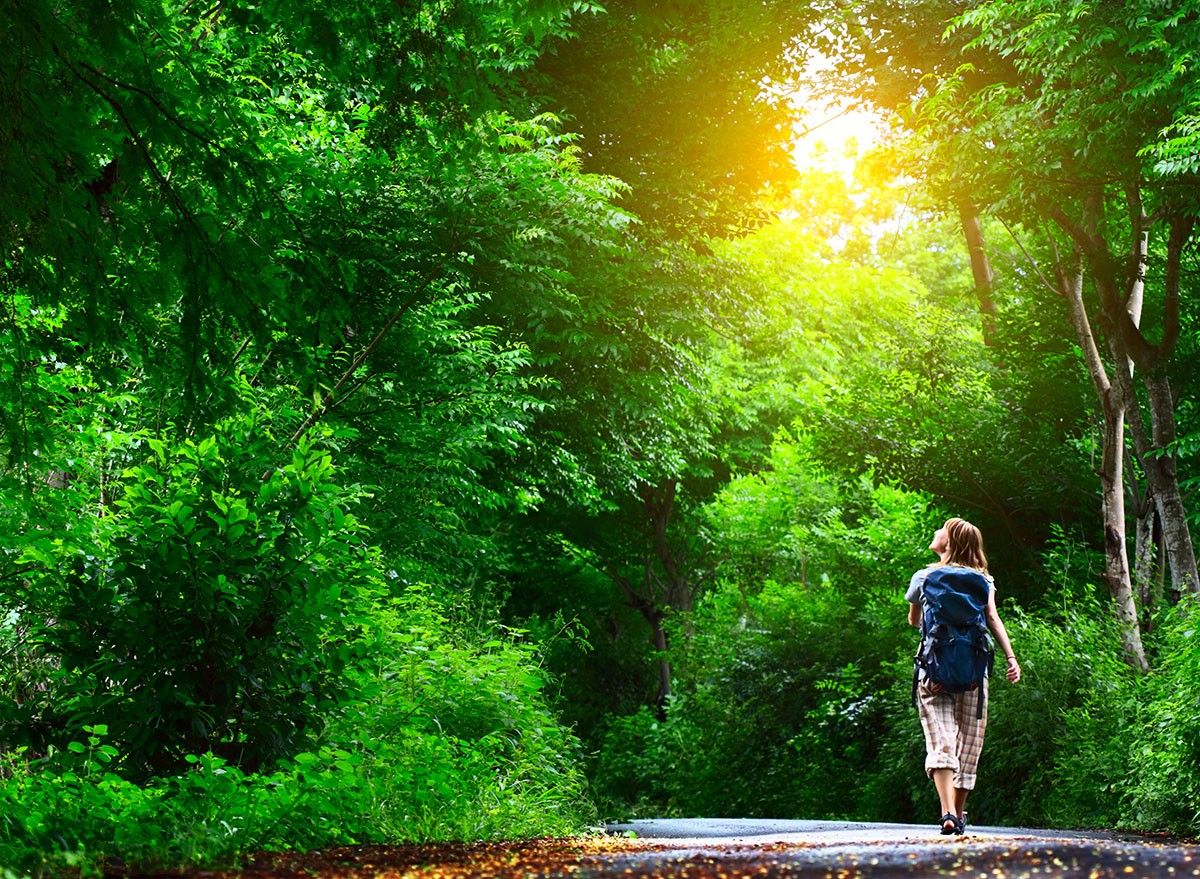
{"x":1014,"y":670}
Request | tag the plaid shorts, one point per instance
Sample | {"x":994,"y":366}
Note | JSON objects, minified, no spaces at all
{"x":953,"y":734}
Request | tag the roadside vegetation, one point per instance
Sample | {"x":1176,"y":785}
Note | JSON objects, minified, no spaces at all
{"x":479,"y":420}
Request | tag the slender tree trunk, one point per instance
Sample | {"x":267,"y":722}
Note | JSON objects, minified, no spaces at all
{"x":1112,"y":487}
{"x":653,"y":615}
{"x":1144,"y":557}
{"x":981,"y":269}
{"x":664,"y":670}
{"x":1112,"y":478}
{"x":665,"y":587}
{"x":1164,"y":481}
{"x":1123,"y":370}
{"x":659,"y":503}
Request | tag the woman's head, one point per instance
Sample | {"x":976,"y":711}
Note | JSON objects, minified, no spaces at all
{"x":959,"y":542}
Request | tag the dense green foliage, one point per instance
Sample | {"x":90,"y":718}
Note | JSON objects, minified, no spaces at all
{"x":192,"y":615}
{"x":464,"y":420}
{"x":779,"y":712}
{"x":446,"y":736}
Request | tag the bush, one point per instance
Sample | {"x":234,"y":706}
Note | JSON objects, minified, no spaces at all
{"x":446,"y":739}
{"x":793,"y":696}
{"x":777,"y":711}
{"x":216,"y":606}
{"x":69,"y":811}
{"x":485,"y":755}
{"x":1043,"y":762}
{"x":222,"y":668}
{"x":1159,"y":738}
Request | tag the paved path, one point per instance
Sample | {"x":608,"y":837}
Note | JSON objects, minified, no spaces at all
{"x":718,"y":848}
{"x":731,"y":831}
{"x":698,"y":848}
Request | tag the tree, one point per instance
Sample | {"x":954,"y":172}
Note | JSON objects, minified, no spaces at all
{"x":1038,"y":114}
{"x":686,"y":102}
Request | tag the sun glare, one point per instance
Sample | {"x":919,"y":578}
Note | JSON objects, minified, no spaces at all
{"x":831,"y":137}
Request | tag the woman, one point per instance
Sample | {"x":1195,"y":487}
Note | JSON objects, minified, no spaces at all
{"x":953,"y":733}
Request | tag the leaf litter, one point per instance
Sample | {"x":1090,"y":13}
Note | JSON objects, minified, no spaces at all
{"x":611,"y":857}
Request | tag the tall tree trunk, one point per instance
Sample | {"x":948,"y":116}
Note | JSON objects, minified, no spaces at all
{"x":665,"y":587}
{"x":1142,"y":502}
{"x":1112,"y":480}
{"x":653,"y":615}
{"x":1112,"y":487}
{"x":659,"y":502}
{"x":981,"y":269}
{"x":664,"y":670}
{"x":1159,"y":465}
{"x":1144,"y":557}
{"x":1152,"y":448}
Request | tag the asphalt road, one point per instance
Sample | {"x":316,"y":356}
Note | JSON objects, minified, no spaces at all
{"x":719,"y":848}
{"x":716,"y":831}
{"x":698,"y":848}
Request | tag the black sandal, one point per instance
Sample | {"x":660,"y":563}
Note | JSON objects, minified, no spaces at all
{"x":956,"y":826}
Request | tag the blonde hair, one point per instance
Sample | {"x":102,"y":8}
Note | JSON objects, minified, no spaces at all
{"x":964,"y":545}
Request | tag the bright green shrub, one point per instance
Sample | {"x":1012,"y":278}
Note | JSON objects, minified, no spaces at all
{"x":1046,"y":736}
{"x":1158,"y":742}
{"x":216,"y":606}
{"x":58,"y":815}
{"x":777,"y":711}
{"x":484,"y":754}
{"x":221,"y":669}
{"x":445,"y":738}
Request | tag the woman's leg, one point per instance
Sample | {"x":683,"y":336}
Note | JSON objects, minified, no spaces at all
{"x":941,"y":736}
{"x":960,"y":801}
{"x":969,"y":743}
{"x":943,"y":780}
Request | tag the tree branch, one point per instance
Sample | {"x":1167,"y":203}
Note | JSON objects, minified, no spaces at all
{"x":1139,"y":235}
{"x":331,"y":398}
{"x":1073,"y":293}
{"x":1032,"y":262}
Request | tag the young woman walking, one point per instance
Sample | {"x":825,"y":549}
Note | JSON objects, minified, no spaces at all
{"x":952,"y":722}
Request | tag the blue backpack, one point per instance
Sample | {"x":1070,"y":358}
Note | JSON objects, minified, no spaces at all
{"x":956,"y":652}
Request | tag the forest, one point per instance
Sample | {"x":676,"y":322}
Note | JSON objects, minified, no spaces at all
{"x":481,"y":419}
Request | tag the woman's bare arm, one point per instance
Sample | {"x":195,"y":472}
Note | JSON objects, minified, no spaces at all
{"x":1013,"y":673}
{"x":914,"y":615}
